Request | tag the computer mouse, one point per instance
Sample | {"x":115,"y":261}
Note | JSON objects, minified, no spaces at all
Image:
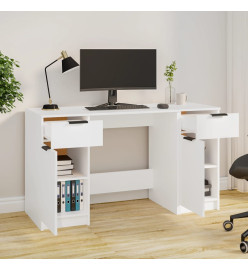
{"x":163,"y":106}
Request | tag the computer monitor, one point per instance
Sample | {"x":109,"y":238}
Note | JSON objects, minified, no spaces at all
{"x":117,"y":69}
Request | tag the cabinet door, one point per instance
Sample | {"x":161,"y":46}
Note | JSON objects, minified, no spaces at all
{"x":40,"y":176}
{"x":48,"y":189}
{"x":192,"y":176}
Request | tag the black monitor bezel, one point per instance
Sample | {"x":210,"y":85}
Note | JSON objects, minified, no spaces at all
{"x":119,"y":88}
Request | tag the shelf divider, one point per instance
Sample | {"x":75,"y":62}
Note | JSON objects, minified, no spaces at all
{"x":75,"y":176}
{"x":210,"y":166}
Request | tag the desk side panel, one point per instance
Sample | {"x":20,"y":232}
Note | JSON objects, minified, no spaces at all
{"x":163,"y":159}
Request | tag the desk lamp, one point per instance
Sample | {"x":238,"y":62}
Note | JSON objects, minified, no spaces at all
{"x":67,"y":64}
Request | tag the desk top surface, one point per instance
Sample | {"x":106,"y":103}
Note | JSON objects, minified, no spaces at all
{"x":81,"y":111}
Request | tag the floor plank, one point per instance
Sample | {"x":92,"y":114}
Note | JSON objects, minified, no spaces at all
{"x":130,"y":229}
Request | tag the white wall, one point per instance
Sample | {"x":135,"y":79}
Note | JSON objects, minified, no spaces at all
{"x":196,"y":40}
{"x":237,"y":86}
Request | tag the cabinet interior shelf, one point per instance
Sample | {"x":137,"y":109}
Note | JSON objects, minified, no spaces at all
{"x":210,"y":166}
{"x":75,"y":176}
{"x":210,"y":199}
{"x":71,"y":214}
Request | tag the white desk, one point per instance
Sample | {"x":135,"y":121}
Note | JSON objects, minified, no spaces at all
{"x":177,"y":167}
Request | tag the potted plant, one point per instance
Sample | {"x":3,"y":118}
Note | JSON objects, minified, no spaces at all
{"x":170,"y":93}
{"x":9,"y":86}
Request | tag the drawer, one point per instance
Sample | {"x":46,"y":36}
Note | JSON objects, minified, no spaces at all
{"x":206,"y":126}
{"x":62,"y":134}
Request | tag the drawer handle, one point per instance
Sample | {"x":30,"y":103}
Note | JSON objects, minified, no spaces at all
{"x":45,"y":147}
{"x":219,"y":114}
{"x":78,"y":122}
{"x":189,"y":138}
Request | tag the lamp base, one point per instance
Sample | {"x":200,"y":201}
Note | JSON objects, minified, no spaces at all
{"x":50,"y":107}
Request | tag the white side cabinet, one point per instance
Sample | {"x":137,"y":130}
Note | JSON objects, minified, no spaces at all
{"x":200,"y":158}
{"x":75,"y":139}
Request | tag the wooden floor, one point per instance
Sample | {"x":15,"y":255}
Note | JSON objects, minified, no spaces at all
{"x":130,"y":229}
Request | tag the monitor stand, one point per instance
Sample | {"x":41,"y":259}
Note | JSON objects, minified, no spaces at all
{"x":113,"y":105}
{"x":112,"y":100}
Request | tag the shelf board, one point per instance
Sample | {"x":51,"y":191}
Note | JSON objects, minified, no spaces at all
{"x":71,"y":214}
{"x":210,"y":199}
{"x":188,"y":132}
{"x":210,"y":166}
{"x":75,"y":176}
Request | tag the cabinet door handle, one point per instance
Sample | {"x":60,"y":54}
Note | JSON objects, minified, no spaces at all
{"x":77,"y":122}
{"x":219,"y":114}
{"x":189,"y":138}
{"x":45,"y":147}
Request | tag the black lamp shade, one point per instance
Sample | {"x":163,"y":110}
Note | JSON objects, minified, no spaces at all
{"x":68,"y":63}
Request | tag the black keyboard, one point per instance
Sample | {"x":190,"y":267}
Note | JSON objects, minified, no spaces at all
{"x":117,"y":107}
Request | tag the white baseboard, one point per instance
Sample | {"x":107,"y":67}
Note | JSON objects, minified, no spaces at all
{"x":17,"y":204}
{"x":224,"y":183}
{"x":242,"y":185}
{"x":12,"y":204}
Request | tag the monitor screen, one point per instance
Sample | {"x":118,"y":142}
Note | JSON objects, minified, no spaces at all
{"x":117,"y":69}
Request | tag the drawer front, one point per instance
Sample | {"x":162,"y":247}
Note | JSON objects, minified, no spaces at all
{"x":206,"y":126}
{"x":65,"y":135}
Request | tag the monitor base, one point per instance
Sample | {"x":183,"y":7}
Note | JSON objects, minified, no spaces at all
{"x":113,"y":105}
{"x":117,"y":106}
{"x":112,"y":100}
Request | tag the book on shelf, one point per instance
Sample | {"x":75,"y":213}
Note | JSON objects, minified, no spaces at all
{"x":62,"y":210}
{"x":64,"y":160}
{"x":58,"y":197}
{"x":65,"y":172}
{"x":70,"y":196}
{"x":65,"y":167}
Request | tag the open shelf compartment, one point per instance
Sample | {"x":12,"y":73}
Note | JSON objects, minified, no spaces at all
{"x":212,"y":168}
{"x":80,"y":160}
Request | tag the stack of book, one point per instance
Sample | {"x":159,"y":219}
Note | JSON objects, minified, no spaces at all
{"x":64,"y":166}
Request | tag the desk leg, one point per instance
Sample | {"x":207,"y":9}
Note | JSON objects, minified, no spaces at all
{"x":164,"y":145}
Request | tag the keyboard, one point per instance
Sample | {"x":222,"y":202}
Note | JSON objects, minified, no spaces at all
{"x":117,"y":107}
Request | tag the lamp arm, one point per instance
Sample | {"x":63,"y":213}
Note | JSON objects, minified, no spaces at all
{"x":47,"y":78}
